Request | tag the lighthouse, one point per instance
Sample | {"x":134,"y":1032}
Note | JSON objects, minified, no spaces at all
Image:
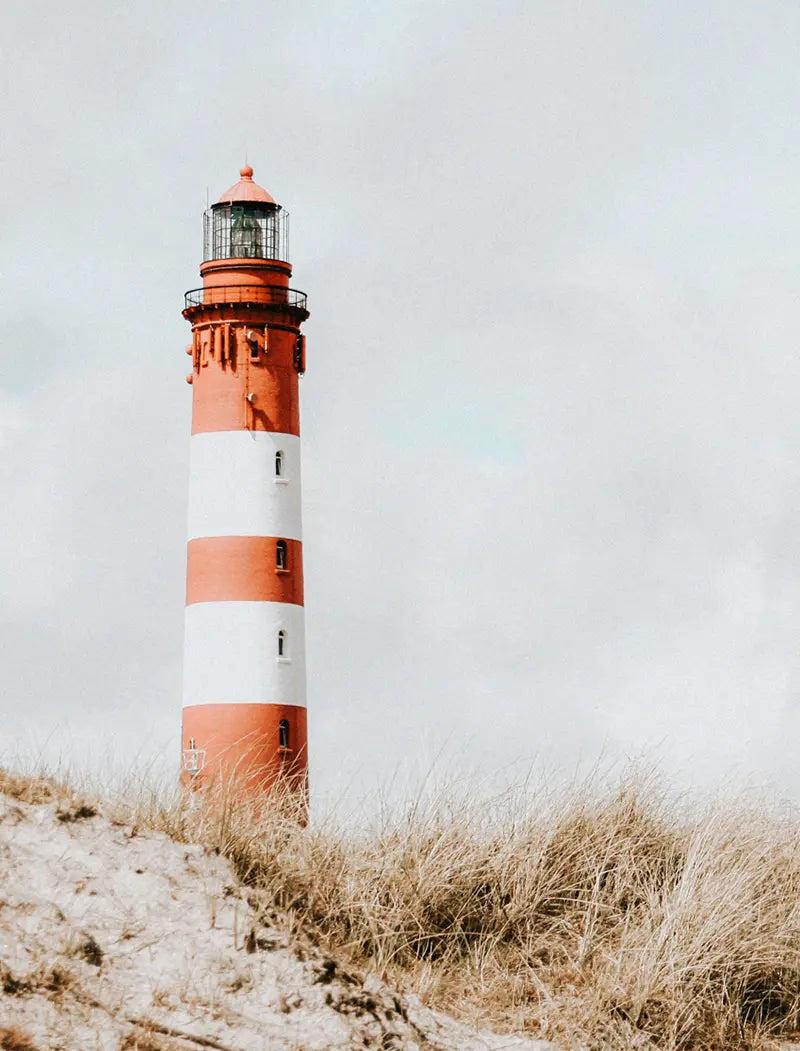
{"x":244,"y":691}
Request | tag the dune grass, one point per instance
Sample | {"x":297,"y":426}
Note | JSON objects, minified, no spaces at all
{"x":604,"y":920}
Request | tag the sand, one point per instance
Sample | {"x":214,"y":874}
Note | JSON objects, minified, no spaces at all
{"x":112,"y":939}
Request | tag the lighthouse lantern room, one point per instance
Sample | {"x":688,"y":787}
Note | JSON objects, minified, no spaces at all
{"x":244,"y":705}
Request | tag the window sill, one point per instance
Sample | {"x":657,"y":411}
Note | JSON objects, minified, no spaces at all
{"x":283,"y":660}
{"x":283,"y":572}
{"x":281,"y":481}
{"x":285,"y":751}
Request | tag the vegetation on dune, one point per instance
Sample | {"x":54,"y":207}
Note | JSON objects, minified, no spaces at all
{"x":608,"y":920}
{"x":12,"y":1038}
{"x":618,"y":921}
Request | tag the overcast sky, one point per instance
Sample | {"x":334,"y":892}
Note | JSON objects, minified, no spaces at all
{"x":550,"y":421}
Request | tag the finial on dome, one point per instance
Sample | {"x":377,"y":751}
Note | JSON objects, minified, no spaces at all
{"x":246,"y":172}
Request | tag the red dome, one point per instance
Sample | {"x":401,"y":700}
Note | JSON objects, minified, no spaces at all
{"x":246,"y":190}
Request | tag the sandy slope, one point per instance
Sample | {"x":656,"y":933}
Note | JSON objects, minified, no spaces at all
{"x":112,"y":940}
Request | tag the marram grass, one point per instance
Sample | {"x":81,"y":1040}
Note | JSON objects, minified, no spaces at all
{"x":604,"y":921}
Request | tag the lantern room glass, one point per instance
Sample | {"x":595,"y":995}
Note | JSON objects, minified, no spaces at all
{"x":246,"y":231}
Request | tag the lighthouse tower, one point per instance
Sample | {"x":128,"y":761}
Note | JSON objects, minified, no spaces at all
{"x":244,"y":714}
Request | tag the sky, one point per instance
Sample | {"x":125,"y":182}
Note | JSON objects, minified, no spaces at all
{"x":551,"y":446}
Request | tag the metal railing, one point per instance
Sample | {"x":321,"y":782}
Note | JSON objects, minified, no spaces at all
{"x":218,"y":295}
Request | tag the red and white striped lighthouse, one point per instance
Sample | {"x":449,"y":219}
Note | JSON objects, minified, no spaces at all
{"x":244,"y":695}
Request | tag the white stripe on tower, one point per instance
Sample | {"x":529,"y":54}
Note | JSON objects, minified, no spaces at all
{"x":234,"y":489}
{"x":251,"y":671}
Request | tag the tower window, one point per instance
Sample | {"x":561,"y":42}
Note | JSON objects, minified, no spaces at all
{"x":281,"y":643}
{"x":299,"y":356}
{"x":283,"y":733}
{"x":279,"y":463}
{"x":281,"y":558}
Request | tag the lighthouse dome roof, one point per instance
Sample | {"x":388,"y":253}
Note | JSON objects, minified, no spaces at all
{"x":246,"y":190}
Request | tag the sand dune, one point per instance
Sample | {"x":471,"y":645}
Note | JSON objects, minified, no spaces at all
{"x":116,"y":939}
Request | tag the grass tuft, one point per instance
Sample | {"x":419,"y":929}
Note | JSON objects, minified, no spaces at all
{"x":12,"y":1038}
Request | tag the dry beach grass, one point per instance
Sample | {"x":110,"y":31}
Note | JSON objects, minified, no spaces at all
{"x":113,"y":937}
{"x":595,"y":919}
{"x":610,"y":921}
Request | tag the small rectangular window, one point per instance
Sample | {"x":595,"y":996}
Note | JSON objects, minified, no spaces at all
{"x":281,"y":560}
{"x":283,"y":733}
{"x":299,"y":355}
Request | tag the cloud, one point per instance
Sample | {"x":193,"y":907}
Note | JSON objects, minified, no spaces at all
{"x":550,"y":438}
